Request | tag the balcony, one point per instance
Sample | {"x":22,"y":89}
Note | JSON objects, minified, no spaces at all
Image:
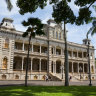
{"x":35,"y":49}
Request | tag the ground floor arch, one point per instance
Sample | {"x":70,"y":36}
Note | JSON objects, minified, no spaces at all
{"x":58,"y":66}
{"x":35,"y":65}
{"x":43,"y":65}
{"x":17,"y":63}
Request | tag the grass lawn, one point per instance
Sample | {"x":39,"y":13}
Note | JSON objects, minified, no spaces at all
{"x":48,"y":91}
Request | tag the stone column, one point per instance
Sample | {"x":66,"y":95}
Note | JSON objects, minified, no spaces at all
{"x":61,"y":51}
{"x":55,"y":67}
{"x":77,"y":54}
{"x":32,"y":47}
{"x":72,"y":53}
{"x":40,"y":65}
{"x":31,"y":63}
{"x":49,"y":58}
{"x":55,"y":50}
{"x":72,"y":68}
{"x":63,"y":67}
{"x":78,"y":67}
{"x":22,"y":62}
{"x":23,"y":46}
{"x":40,"y":49}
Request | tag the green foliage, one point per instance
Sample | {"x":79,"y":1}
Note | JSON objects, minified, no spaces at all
{"x":30,"y":5}
{"x":25,"y":34}
{"x":84,"y":11}
{"x":92,"y":30}
{"x":62,"y":12}
{"x":84,"y":16}
{"x":83,"y":2}
{"x":34,"y":27}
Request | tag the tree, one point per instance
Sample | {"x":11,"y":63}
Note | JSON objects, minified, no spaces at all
{"x":34,"y":28}
{"x":92,"y":30}
{"x":30,"y":5}
{"x":63,"y":13}
{"x":9,"y":5}
{"x":85,"y":14}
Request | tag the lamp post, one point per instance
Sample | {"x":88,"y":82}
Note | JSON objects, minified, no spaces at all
{"x":88,"y":43}
{"x":80,"y":70}
{"x":62,"y":70}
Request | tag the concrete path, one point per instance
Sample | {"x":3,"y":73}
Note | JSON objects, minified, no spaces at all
{"x":43,"y":83}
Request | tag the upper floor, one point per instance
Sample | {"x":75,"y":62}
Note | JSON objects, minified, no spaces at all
{"x":53,"y":31}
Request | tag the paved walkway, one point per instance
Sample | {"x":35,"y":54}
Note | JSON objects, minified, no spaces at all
{"x":43,"y":83}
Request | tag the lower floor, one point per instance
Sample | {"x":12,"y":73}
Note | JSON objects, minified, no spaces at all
{"x":57,"y":66}
{"x":38,"y":68}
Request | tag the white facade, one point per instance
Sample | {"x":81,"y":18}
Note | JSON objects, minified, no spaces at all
{"x":46,"y":54}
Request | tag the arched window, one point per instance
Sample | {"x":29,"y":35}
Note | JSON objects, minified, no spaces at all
{"x":6,"y":43}
{"x":92,"y":69}
{"x":4,"y":66}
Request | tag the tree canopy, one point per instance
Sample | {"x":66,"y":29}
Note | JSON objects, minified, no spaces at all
{"x":85,"y":14}
{"x":30,"y":5}
{"x":63,"y":12}
{"x":35,"y":27}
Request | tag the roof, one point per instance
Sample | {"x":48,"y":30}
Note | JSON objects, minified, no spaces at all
{"x":8,"y":19}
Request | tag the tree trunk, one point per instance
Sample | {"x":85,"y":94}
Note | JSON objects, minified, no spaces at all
{"x":26,"y":77}
{"x":90,"y":84}
{"x":66,"y":59}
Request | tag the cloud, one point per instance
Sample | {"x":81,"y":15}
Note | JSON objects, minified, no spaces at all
{"x":19,"y":27}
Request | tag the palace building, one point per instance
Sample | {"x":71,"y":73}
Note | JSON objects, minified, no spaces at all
{"x":46,"y":54}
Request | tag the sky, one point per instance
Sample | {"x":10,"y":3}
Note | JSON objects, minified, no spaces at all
{"x":75,"y":33}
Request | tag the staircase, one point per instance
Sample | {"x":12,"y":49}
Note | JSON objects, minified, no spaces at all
{"x":54,"y":77}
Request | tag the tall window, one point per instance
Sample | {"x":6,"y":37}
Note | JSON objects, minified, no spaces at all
{"x":59,"y":35}
{"x":56,"y":35}
{"x":6,"y":43}
{"x":53,"y":34}
{"x":4,"y":66}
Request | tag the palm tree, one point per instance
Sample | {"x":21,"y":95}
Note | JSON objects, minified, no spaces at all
{"x":9,"y":5}
{"x":63,"y":13}
{"x":92,"y":30}
{"x":66,"y":58}
{"x":34,"y":28}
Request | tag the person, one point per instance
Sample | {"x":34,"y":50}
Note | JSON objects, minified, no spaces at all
{"x":46,"y":77}
{"x":70,"y":78}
